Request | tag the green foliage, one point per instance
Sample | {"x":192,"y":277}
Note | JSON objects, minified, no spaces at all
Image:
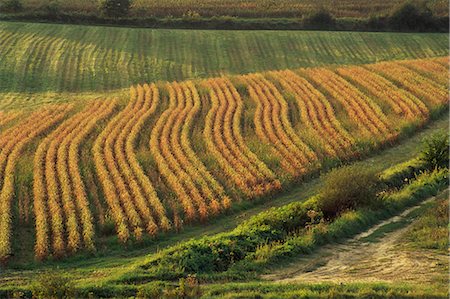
{"x":435,"y":151}
{"x":108,"y":228}
{"x":435,"y":154}
{"x":321,"y":19}
{"x":115,"y":8}
{"x":412,"y":17}
{"x":53,"y":286}
{"x":11,"y":6}
{"x":347,"y":188}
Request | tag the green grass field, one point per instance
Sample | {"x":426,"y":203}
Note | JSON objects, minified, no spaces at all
{"x":40,"y":62}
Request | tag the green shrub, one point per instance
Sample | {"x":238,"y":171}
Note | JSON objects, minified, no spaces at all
{"x":347,"y":188}
{"x":435,"y":151}
{"x":53,"y":286}
{"x":411,"y":17}
{"x":115,"y":8}
{"x":321,"y":19}
{"x":11,"y":6}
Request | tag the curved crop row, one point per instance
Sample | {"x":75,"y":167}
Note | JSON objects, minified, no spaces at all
{"x":128,"y":191}
{"x":317,"y":113}
{"x":361,"y":110}
{"x":150,"y":95}
{"x":63,"y":216}
{"x":6,"y":117}
{"x":198,"y":192}
{"x":444,"y":61}
{"x":12,"y":142}
{"x":433,"y":68}
{"x":402,"y":102}
{"x":420,"y":86}
{"x":225,"y":142}
{"x":273,"y":126}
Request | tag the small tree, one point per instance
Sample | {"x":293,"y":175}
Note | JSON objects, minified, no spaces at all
{"x":435,"y":151}
{"x":347,"y":188}
{"x":115,"y":8}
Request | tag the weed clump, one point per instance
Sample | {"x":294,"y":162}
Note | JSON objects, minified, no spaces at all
{"x":53,"y":286}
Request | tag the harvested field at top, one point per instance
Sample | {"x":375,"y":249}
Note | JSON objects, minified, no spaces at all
{"x":45,"y":58}
{"x":247,"y":8}
{"x":183,"y":152}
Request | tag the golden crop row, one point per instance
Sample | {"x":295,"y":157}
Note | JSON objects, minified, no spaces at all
{"x":436,"y":70}
{"x":424,"y":88}
{"x":402,"y":102}
{"x":12,"y":143}
{"x":6,"y":117}
{"x":273,"y":126}
{"x":444,"y":61}
{"x":317,"y":113}
{"x":198,"y":191}
{"x":60,"y":201}
{"x":361,"y":109}
{"x":150,"y":95}
{"x":225,"y":142}
{"x":130,"y":195}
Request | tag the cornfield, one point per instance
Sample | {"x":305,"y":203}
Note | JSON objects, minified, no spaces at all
{"x":184,"y":152}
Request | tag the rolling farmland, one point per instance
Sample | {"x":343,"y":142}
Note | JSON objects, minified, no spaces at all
{"x":43,"y":63}
{"x":224,"y":148}
{"x":177,"y":153}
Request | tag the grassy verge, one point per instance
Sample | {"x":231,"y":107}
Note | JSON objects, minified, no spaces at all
{"x":325,"y":290}
{"x":430,"y":231}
